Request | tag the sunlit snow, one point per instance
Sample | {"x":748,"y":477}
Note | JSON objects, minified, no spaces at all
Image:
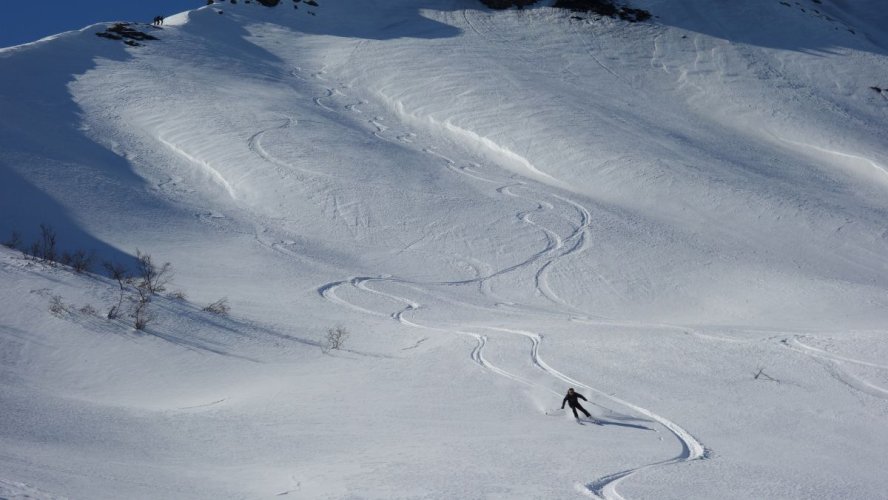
{"x":684,"y":219}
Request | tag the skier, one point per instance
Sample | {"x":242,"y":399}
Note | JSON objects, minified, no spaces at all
{"x":571,"y":399}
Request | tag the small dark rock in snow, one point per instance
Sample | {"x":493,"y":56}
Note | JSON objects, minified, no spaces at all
{"x":119,"y":31}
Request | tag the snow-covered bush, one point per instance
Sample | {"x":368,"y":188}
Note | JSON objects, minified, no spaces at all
{"x":57,"y":306}
{"x":220,"y":307}
{"x":88,"y":310}
{"x":335,"y":338}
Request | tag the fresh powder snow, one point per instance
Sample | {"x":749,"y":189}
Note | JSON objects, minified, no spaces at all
{"x":684,"y":219}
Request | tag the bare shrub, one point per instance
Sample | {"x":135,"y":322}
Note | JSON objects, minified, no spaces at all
{"x":335,"y":338}
{"x":47,"y":243}
{"x":14,"y":241}
{"x":153,"y":279}
{"x":57,"y":306}
{"x":113,"y":312}
{"x":141,"y":313}
{"x":82,"y":261}
{"x":220,"y":307}
{"x":121,"y":275}
{"x":88,"y":310}
{"x":178,"y":295}
{"x":44,"y":248}
{"x":141,"y":316}
{"x":117,"y":272}
{"x":33,"y":250}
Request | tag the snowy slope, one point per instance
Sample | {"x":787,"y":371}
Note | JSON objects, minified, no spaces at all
{"x":497,"y":206}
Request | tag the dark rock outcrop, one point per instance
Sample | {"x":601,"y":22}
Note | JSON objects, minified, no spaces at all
{"x":121,"y":31}
{"x":505,"y":4}
{"x":604,"y":8}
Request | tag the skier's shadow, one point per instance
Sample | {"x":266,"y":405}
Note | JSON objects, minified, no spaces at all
{"x":619,"y":424}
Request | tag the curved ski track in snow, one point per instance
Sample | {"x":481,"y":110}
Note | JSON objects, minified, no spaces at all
{"x":330,"y":93}
{"x":836,"y":370}
{"x":558,"y":247}
{"x":579,"y":236}
{"x":605,"y":487}
{"x":797,"y":343}
{"x":254,"y":143}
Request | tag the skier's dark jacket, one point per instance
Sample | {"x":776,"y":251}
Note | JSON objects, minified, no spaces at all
{"x":571,"y":399}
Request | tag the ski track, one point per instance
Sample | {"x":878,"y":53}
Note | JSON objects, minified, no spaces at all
{"x":254,"y":143}
{"x":605,"y":487}
{"x":319,"y":100}
{"x":591,"y":51}
{"x":557,"y":247}
{"x":836,"y":369}
{"x":541,"y":263}
{"x":205,"y":405}
{"x":414,"y":346}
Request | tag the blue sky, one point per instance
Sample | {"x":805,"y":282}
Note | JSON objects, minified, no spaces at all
{"x":29,"y":20}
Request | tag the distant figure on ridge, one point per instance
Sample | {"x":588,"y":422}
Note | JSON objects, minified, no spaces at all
{"x":572,"y":400}
{"x":158,"y":20}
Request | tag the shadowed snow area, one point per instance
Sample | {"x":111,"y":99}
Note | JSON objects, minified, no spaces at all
{"x":682,"y":219}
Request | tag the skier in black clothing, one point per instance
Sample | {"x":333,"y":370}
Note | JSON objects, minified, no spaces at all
{"x":571,"y":399}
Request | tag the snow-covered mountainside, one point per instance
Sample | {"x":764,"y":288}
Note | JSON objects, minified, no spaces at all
{"x":684,"y":219}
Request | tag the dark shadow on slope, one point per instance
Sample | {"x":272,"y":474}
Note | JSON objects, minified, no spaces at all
{"x":371,"y":20}
{"x":198,"y":345}
{"x":814,"y":26}
{"x":23,"y":207}
{"x":223,"y":333}
{"x":46,"y":160}
{"x":621,"y":424}
{"x":229,"y":41}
